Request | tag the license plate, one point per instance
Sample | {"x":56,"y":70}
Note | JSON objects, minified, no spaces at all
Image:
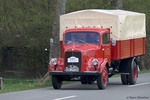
{"x":73,"y":60}
{"x":72,"y":68}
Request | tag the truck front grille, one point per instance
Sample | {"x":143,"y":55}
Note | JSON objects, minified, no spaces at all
{"x":75,"y":54}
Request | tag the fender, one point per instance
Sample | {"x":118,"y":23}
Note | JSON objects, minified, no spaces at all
{"x":59,"y":66}
{"x":90,"y":67}
{"x":101,"y":64}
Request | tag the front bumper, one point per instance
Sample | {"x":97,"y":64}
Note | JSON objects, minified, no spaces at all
{"x":75,"y":73}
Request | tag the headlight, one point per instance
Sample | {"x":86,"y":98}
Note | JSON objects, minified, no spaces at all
{"x":94,"y":61}
{"x":54,"y":61}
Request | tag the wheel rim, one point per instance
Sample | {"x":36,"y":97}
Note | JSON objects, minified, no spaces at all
{"x":104,"y":77}
{"x":134,"y":70}
{"x":135,"y":73}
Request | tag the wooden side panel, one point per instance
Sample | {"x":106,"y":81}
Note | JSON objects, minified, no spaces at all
{"x":144,"y":45}
{"x":128,"y":48}
{"x":125,"y":49}
{"x":139,"y":46}
{"x":131,"y":48}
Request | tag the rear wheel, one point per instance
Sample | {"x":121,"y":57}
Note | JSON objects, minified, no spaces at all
{"x":102,"y":79}
{"x":56,"y":82}
{"x":133,"y":73}
{"x":124,"y":79}
{"x":124,"y":68}
{"x":129,"y":66}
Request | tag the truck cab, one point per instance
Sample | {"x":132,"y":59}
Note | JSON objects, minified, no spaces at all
{"x":84,"y":59}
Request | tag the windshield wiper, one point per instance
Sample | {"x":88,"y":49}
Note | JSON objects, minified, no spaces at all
{"x":84,"y":42}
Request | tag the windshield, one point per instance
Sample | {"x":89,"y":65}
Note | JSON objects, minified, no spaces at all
{"x":82,"y":37}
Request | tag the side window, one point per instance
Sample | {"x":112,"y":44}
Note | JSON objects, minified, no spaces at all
{"x":105,"y":38}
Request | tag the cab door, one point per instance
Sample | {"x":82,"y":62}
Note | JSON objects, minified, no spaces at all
{"x":106,"y":45}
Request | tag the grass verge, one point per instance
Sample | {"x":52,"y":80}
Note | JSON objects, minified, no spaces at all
{"x":144,"y":71}
{"x":14,"y":85}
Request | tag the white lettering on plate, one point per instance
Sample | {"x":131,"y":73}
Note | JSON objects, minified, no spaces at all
{"x":73,"y":59}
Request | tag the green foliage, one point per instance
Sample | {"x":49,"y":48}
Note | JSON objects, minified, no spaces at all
{"x":73,"y":5}
{"x":25,"y":22}
{"x":26,"y":26}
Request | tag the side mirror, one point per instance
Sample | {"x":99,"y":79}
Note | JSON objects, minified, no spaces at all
{"x":113,"y":42}
{"x":51,"y":41}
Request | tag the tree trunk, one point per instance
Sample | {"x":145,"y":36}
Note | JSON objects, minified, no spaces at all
{"x":116,"y":4}
{"x":59,"y":9}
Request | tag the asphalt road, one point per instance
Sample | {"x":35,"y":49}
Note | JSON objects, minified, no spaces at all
{"x":114,"y":91}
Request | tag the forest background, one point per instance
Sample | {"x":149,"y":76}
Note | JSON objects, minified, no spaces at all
{"x":26,"y":27}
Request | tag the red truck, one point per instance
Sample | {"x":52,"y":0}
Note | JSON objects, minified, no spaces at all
{"x":107,"y":43}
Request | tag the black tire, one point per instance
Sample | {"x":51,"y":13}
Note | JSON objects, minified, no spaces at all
{"x":56,"y":82}
{"x":129,"y":66}
{"x":133,"y":73}
{"x":124,"y":68}
{"x":83,"y":80}
{"x":124,"y":79}
{"x":102,"y":79}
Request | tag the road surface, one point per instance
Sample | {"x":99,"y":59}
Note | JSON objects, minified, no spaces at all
{"x":114,"y":91}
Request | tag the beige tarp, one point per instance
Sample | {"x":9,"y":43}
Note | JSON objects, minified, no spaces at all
{"x":123,"y":24}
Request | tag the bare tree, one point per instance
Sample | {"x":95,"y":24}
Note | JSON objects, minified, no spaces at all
{"x":60,"y":6}
{"x":116,"y":4}
{"x":59,"y":9}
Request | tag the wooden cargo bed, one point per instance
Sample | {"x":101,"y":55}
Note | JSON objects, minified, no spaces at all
{"x":128,"y":48}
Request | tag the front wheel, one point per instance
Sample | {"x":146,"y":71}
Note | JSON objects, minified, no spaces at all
{"x":56,"y":82}
{"x":102,"y":79}
{"x":83,"y":80}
